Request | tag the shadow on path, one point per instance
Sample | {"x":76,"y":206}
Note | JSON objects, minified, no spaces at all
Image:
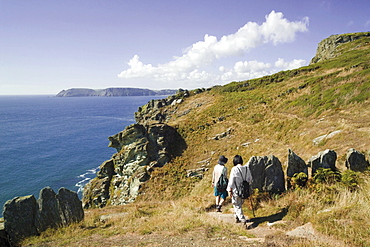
{"x":272,"y":218}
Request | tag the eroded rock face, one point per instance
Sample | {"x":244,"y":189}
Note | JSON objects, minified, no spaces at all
{"x":139,"y":149}
{"x":267,"y":174}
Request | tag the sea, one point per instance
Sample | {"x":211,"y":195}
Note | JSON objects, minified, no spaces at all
{"x":58,"y":141}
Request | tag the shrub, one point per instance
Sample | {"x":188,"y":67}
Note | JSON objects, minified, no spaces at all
{"x":351,"y":179}
{"x":299,"y":180}
{"x":327,"y":175}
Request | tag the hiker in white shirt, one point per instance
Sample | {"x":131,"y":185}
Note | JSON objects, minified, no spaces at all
{"x":217,"y":171}
{"x":238,"y":172}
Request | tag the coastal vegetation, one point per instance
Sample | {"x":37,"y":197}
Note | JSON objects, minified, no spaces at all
{"x":267,"y":115}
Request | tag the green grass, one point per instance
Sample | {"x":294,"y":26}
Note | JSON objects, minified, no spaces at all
{"x":273,"y":113}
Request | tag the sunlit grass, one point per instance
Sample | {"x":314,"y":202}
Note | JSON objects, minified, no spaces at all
{"x":267,"y":116}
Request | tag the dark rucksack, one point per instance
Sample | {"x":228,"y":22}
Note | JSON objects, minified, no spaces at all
{"x":222,"y":182}
{"x":243,"y":191}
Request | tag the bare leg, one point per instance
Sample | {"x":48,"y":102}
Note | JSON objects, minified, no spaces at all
{"x":221,"y":201}
{"x":218,"y":200}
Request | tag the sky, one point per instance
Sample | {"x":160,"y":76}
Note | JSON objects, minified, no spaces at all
{"x":51,"y":45}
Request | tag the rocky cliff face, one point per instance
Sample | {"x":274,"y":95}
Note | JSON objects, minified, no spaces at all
{"x":327,"y":47}
{"x":160,"y":111}
{"x":139,"y":150}
{"x":113,"y":92}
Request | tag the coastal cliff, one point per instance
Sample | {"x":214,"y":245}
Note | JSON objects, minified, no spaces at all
{"x":216,"y":114}
{"x":139,"y":150}
{"x":302,"y":127}
{"x":113,"y":92}
{"x":152,"y":142}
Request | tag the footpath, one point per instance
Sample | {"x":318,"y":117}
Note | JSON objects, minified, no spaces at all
{"x":264,"y":230}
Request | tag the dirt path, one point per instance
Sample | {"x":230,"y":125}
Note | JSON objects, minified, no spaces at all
{"x":266,"y":234}
{"x":264,"y":231}
{"x":259,"y":231}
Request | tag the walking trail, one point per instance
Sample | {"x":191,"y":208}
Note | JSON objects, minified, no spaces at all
{"x":265,"y":230}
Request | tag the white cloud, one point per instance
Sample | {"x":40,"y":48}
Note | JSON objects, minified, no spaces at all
{"x":367,"y":23}
{"x":296,"y":63}
{"x":138,"y":68}
{"x":253,"y":69}
{"x":245,"y":70}
{"x":190,"y":67}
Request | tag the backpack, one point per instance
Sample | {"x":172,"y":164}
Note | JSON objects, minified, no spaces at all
{"x":222,"y":182}
{"x":243,"y":191}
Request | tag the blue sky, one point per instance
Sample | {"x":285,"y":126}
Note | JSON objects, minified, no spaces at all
{"x":50,"y":45}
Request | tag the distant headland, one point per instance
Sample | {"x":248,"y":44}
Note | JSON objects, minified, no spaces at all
{"x":113,"y":92}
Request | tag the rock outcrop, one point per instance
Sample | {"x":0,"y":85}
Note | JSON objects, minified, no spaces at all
{"x":356,"y":161}
{"x":25,"y":217}
{"x":267,"y":174}
{"x":327,"y":47}
{"x":48,"y":215}
{"x":3,"y":237}
{"x":139,"y":150}
{"x":296,"y":165}
{"x":20,"y":218}
{"x":324,"y":159}
{"x":320,"y":139}
{"x":160,"y":110}
{"x":69,"y":206}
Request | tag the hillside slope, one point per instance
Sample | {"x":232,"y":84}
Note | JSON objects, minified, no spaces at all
{"x":268,"y":115}
{"x":287,"y":110}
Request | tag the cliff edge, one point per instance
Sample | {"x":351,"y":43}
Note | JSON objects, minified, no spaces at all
{"x":327,"y":48}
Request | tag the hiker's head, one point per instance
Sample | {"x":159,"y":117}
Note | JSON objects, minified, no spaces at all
{"x":238,"y":160}
{"x":222,"y":160}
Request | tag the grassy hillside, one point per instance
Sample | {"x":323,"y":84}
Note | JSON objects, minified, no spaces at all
{"x":268,"y":115}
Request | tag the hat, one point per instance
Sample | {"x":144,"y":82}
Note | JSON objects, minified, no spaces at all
{"x":222,"y":160}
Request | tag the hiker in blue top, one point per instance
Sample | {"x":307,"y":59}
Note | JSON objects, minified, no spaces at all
{"x":237,"y":174}
{"x":219,"y":192}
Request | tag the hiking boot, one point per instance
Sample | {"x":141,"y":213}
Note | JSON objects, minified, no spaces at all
{"x":237,"y":219}
{"x":218,"y":208}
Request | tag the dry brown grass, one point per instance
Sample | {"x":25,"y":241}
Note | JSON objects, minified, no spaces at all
{"x":271,"y":118}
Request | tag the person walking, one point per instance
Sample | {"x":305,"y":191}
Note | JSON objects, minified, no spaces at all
{"x":237,"y":174}
{"x":217,"y":171}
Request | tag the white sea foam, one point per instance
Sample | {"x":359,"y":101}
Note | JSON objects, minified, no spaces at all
{"x":86,"y":177}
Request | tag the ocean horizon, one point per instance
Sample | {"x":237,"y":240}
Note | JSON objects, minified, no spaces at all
{"x":48,"y":141}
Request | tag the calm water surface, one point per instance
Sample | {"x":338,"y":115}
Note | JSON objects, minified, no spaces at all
{"x":57,"y":142}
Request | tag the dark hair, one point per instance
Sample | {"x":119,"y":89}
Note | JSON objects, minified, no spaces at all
{"x":238,"y":160}
{"x":222,"y":160}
